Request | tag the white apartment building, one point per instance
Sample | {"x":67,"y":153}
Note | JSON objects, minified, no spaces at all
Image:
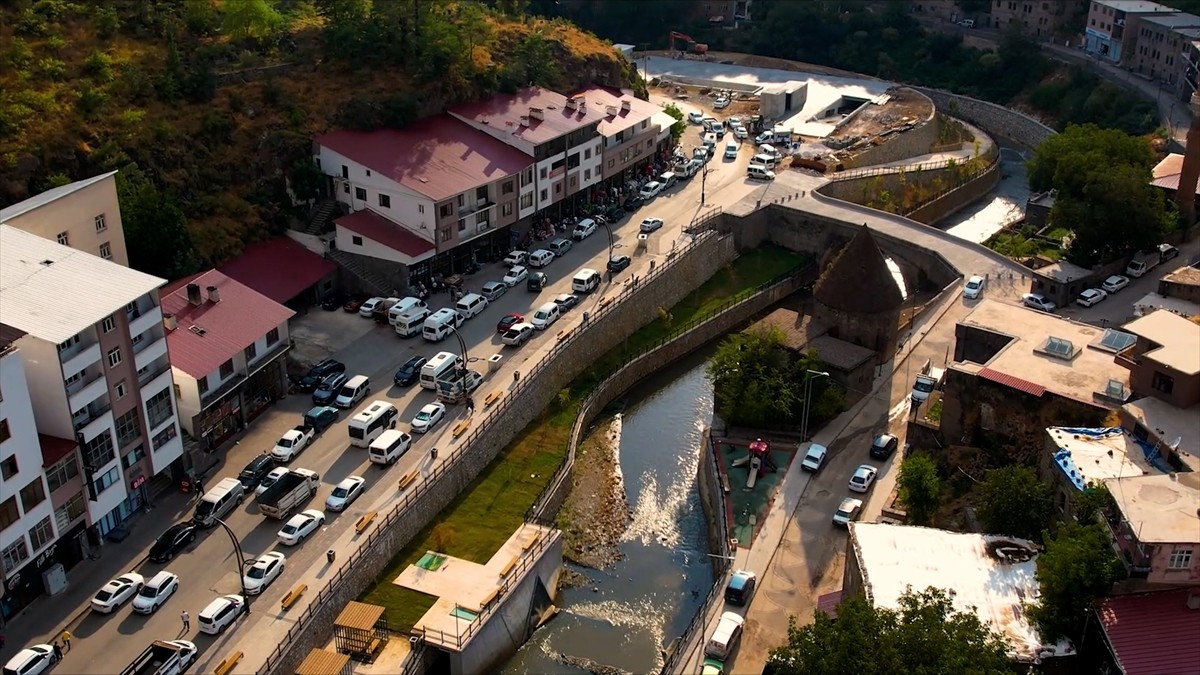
{"x":98,"y":378}
{"x":84,"y":215}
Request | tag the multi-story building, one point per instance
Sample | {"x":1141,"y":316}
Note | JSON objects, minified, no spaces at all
{"x":726,"y":13}
{"x":944,"y":10}
{"x":419,"y":195}
{"x":1165,"y":360}
{"x":561,"y":135}
{"x":1037,"y":18}
{"x":1162,"y":47}
{"x":99,"y":375}
{"x":632,"y":136}
{"x":1111,"y":26}
{"x":227,"y":346}
{"x":84,"y":215}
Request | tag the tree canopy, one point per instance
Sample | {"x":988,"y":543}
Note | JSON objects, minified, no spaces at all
{"x":1014,"y":501}
{"x":920,"y":488}
{"x":680,"y":125}
{"x":1077,"y":567}
{"x":925,"y":636}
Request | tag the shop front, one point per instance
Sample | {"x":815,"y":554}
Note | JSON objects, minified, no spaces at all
{"x":26,"y":584}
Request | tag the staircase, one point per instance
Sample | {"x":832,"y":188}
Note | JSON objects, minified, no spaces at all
{"x":320,"y":221}
{"x":352,"y":265}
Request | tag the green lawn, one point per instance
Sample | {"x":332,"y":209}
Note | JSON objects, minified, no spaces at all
{"x":486,"y":514}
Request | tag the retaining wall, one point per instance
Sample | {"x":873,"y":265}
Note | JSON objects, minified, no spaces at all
{"x":912,"y":143}
{"x":959,"y":198}
{"x":860,"y":189}
{"x":1016,"y":127}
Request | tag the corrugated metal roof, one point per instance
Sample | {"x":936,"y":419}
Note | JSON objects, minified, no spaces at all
{"x":321,"y":662}
{"x":509,"y":114}
{"x":53,"y":291}
{"x":48,"y":196}
{"x":359,"y":616}
{"x":1011,"y":381}
{"x":229,"y":326}
{"x":1153,"y":633}
{"x":377,"y":228}
{"x":602,"y":97}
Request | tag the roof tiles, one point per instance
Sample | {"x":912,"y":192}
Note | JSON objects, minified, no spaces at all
{"x":510,"y":113}
{"x":1153,"y":633}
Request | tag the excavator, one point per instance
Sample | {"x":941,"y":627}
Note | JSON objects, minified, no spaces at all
{"x":697,"y":48}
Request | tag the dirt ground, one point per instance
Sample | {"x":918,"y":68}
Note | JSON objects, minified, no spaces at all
{"x":904,"y":106}
{"x":596,"y":513}
{"x":703,"y":98}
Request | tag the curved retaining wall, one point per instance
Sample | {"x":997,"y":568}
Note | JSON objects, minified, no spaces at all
{"x":997,"y":120}
{"x":916,"y":141}
{"x":952,"y":201}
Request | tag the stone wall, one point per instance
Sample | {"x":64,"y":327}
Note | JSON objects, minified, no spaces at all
{"x":959,"y":198}
{"x":996,"y":120}
{"x":631,"y":308}
{"x":912,"y":143}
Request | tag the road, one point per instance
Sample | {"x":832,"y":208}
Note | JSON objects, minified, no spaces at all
{"x":106,"y":644}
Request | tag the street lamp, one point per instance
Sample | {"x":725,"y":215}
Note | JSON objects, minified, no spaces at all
{"x":241,"y":561}
{"x":809,"y":376}
{"x":703,"y":184}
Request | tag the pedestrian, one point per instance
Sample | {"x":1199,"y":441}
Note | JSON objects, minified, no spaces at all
{"x":187,"y":621}
{"x":200,"y":486}
{"x":470,"y":406}
{"x":58,"y":652}
{"x":66,"y":638}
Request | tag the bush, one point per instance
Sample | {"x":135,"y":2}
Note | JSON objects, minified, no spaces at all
{"x":55,"y":43}
{"x":19,"y":54}
{"x":89,"y":101}
{"x":98,"y":66}
{"x":51,"y":69}
{"x":106,"y":21}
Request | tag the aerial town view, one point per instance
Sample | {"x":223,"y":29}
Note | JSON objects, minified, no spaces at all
{"x":366,"y":337}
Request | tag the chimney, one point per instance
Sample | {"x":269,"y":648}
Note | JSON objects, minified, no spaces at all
{"x":169,"y":322}
{"x":582,"y":105}
{"x":626,"y":106}
{"x":536,"y":114}
{"x":214,"y":294}
{"x":193,"y":291}
{"x":571,"y":104}
{"x":611,"y":110}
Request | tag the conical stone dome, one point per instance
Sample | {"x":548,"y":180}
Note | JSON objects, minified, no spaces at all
{"x":859,"y":280}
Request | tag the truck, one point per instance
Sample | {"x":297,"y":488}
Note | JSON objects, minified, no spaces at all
{"x":929,"y":379}
{"x":163,"y":657}
{"x":1144,"y":262}
{"x":291,"y":490}
{"x":451,"y":390}
{"x":293,"y":442}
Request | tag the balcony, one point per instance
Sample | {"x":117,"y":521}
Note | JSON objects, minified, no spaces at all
{"x":149,"y":352}
{"x":155,"y":371}
{"x":85,"y":393}
{"x":79,"y":357}
{"x":146,"y":321}
{"x":92,"y":419}
{"x":1125,"y":545}
{"x":470,"y":209}
{"x":555,"y":173}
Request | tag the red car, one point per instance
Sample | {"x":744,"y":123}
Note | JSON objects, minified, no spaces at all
{"x":508,"y":321}
{"x":353,"y":303}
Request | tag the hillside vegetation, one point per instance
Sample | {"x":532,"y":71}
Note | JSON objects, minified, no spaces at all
{"x":206,"y":105}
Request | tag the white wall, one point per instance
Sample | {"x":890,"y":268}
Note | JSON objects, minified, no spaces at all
{"x":374,"y":249}
{"x":161,"y":458}
{"x":408,"y":208}
{"x":17,"y":409}
{"x":595,"y":164}
{"x":528,"y":190}
{"x":547,"y":183}
{"x":47,"y":391}
{"x":112,"y":497}
{"x":187,"y":401}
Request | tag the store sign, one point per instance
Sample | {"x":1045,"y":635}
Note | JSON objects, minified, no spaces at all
{"x":33,"y":569}
{"x":137,"y":482}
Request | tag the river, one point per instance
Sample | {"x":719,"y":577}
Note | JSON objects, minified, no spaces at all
{"x":625,"y":614}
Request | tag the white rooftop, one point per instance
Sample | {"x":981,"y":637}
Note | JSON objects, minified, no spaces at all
{"x":1163,"y":509}
{"x":53,"y":291}
{"x":897,"y":558}
{"x":1177,"y":427}
{"x":1152,"y":301}
{"x":48,"y":196}
{"x":1178,"y":337}
{"x":1092,"y":455}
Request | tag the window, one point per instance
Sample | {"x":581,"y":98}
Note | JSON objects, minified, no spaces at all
{"x":420,"y":208}
{"x":368,"y":173}
{"x":507,"y":209}
{"x":8,"y":468}
{"x":42,"y":534}
{"x":587,"y":153}
{"x":63,"y":239}
{"x":100,"y":225}
{"x":1181,"y":559}
{"x":15,"y":555}
{"x":360,"y":194}
{"x":447,"y":233}
{"x":106,"y":251}
{"x":545,"y":195}
{"x":272,"y":336}
{"x":462,"y":225}
{"x":507,"y":188}
{"x":587,"y":174}
{"x":128,"y":429}
{"x":1163,"y":383}
{"x":9,"y":513}
{"x":345,"y":171}
{"x":71,"y":342}
{"x":114,"y":357}
{"x":527,"y":201}
{"x":98,"y":451}
{"x":481,"y":218}
{"x":106,"y":481}
{"x":356,"y":240}
{"x":134,"y":456}
{"x":5,"y":431}
{"x":63,"y":471}
{"x":74,"y":378}
{"x":544,"y":173}
{"x":108,"y":325}
{"x":159,"y":408}
{"x":251,"y":352}
{"x":346,"y":188}
{"x":446,"y":210}
{"x":33,"y":494}
{"x":69,"y":512}
{"x":385,"y":201}
{"x":461,"y":201}
{"x":201,"y":386}
{"x":119,"y":390}
{"x":226,"y":369}
{"x":137,"y":338}
{"x":481,"y":193}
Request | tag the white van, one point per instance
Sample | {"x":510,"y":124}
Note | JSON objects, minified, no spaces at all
{"x":389,"y":447}
{"x":725,"y":638}
{"x":435,"y":368}
{"x":731,"y":150}
{"x":410,"y":323}
{"x":353,"y":391}
{"x":541,"y":258}
{"x":471,"y":304}
{"x":440,"y":324}
{"x":403,"y":306}
{"x":545,"y":316}
{"x":367,"y":425}
{"x":760,"y":172}
{"x":218,"y":501}
{"x":586,"y":281}
{"x":768,"y":161}
{"x":768,"y":149}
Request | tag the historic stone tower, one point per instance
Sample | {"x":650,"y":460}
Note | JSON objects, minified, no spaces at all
{"x":857,"y":298}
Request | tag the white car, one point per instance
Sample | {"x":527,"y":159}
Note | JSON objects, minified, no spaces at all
{"x":266,"y":569}
{"x":1090,"y":297}
{"x":1038,"y":301}
{"x":695,"y":118}
{"x":369,"y":306}
{"x":847,"y":511}
{"x":721,"y":103}
{"x":156,"y":591}
{"x":517,"y":335}
{"x":345,"y":493}
{"x":515,"y":276}
{"x":650,"y":225}
{"x":30,"y":661}
{"x":650,"y":190}
{"x":1115,"y":283}
{"x":117,"y":592}
{"x":740,"y":133}
{"x":492,"y":290}
{"x":301,"y":525}
{"x":270,"y":479}
{"x":220,"y":613}
{"x":515,"y":258}
{"x":428,"y":417}
{"x":814,"y":458}
{"x":545,"y":316}
{"x":974,"y":288}
{"x":863,"y":478}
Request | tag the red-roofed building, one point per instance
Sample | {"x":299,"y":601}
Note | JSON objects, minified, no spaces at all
{"x":631,"y":136}
{"x":1150,"y":633}
{"x":227,"y":344}
{"x":280,"y":268}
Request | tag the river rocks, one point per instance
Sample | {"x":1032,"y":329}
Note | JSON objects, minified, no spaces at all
{"x":596,"y":513}
{"x":590,"y":666}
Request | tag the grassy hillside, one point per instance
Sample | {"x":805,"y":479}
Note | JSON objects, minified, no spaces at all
{"x":206,"y":105}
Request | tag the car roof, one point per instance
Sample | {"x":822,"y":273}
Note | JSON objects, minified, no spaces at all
{"x":849,"y":502}
{"x":816,"y":448}
{"x":160,"y":578}
{"x":884,"y":438}
{"x":863,"y":469}
{"x":215,"y":606}
{"x":351,"y":480}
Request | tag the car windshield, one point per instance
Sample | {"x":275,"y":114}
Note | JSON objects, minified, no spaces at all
{"x":257,"y":572}
{"x":844,"y":511}
{"x":148,"y":592}
{"x":340,"y":492}
{"x":541,"y":315}
{"x":921,"y":386}
{"x":858,"y":478}
{"x":290,"y":529}
{"x":972,"y":284}
{"x":285,"y":443}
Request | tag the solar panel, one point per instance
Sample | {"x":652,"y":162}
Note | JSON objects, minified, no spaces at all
{"x":1117,"y":340}
{"x":1060,"y":347}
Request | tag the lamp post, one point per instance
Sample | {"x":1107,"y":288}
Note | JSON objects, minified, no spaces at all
{"x":809,"y":376}
{"x":241,"y":561}
{"x":703,"y":185}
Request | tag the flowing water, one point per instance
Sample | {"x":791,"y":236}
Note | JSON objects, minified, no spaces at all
{"x":624,"y":615}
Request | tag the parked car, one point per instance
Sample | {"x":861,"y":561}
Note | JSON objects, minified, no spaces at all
{"x":255,"y":471}
{"x":327,"y":391}
{"x":270,"y":479}
{"x":293,"y":442}
{"x":566,"y":301}
{"x":847,"y":511}
{"x":221,"y":613}
{"x":515,"y":276}
{"x":814,"y":458}
{"x":492,"y":290}
{"x":1090,"y":297}
{"x":333,"y":299}
{"x":721,"y":103}
{"x":619,"y":263}
{"x":973,"y":288}
{"x":317,"y":374}
{"x":695,"y":117}
{"x":33,"y":660}
{"x":883,"y":446}
{"x":345,"y":492}
{"x":321,"y":417}
{"x":633,"y":203}
{"x":368,"y":307}
{"x":740,"y":588}
{"x":408,"y":373}
{"x":613,"y":213}
{"x":515,"y":258}
{"x":863,"y":478}
{"x":353,"y":304}
{"x":508,"y":321}
{"x":157,"y":591}
{"x":117,"y":592}
{"x":650,"y":190}
{"x":1038,"y":301}
{"x":536,"y":282}
{"x":583,"y":229}
{"x":725,"y":638}
{"x":263,"y":571}
{"x":171,"y":542}
{"x":650,"y":225}
{"x":518,"y":334}
{"x":1115,"y":283}
{"x":428,"y":417}
{"x":299,"y":526}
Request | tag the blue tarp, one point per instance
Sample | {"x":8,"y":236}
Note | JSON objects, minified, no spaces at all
{"x":1067,"y":464}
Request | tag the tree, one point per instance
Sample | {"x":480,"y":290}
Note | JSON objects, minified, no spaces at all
{"x":924,"y":635}
{"x":750,"y":373}
{"x":155,"y":234}
{"x":680,"y":125}
{"x":250,"y":19}
{"x":1077,"y":567}
{"x":1013,"y":501}
{"x":920,"y":488}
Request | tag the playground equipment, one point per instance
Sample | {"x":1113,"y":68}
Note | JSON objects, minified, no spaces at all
{"x":759,"y":461}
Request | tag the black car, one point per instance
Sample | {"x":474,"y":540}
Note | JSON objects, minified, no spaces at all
{"x":255,"y":471}
{"x":328,"y":390}
{"x":321,"y":417}
{"x":883,"y":446}
{"x":619,"y":263}
{"x":172,"y":542}
{"x":536,"y":282}
{"x":634,"y":203}
{"x":319,"y":372}
{"x":409,"y":372}
{"x":333,"y":300}
{"x":613,"y":213}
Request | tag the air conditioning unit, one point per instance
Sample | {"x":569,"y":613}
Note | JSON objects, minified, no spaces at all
{"x":1120,"y":22}
{"x":483,"y":227}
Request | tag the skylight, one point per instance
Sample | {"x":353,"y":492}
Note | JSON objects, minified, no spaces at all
{"x":1060,"y":348}
{"x":1116,"y":340}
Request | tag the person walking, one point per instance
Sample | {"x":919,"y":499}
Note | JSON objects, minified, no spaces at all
{"x":200,"y":486}
{"x":66,"y":638}
{"x":58,"y":652}
{"x":470,"y":406}
{"x":187,"y":621}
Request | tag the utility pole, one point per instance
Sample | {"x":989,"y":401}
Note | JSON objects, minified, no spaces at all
{"x":703,"y":185}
